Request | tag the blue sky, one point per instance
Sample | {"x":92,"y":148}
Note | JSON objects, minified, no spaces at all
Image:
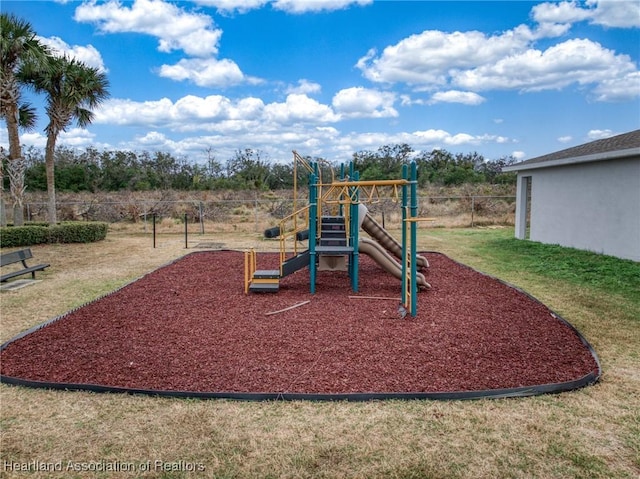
{"x":331,"y":77}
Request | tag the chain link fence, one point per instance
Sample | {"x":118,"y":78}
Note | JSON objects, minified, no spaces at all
{"x":253,"y":214}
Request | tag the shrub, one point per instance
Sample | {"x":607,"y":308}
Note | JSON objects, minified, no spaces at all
{"x":78,"y":232}
{"x":27,"y":235}
{"x":66,"y":232}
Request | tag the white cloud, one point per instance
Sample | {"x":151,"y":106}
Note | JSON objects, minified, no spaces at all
{"x":406,"y":100}
{"x":608,"y":13}
{"x":175,"y":28}
{"x":622,"y":88}
{"x":206,"y":72}
{"x":31,"y":138}
{"x":616,"y":13}
{"x":276,"y":145}
{"x":563,"y":12}
{"x":574,"y":61}
{"x":599,"y":134}
{"x":305,"y":87}
{"x":426,"y":140}
{"x":518,"y":155}
{"x":462,"y":139}
{"x":215,"y":113}
{"x":73,"y":137}
{"x":431,"y":135}
{"x":88,"y":54}
{"x":214,"y":107}
{"x":127,"y":112}
{"x":440,"y":138}
{"x":77,"y":137}
{"x":565,"y":139}
{"x":155,"y":141}
{"x":429,"y":57}
{"x":298,"y":123}
{"x":299,"y":108}
{"x":475,"y":61}
{"x":303,"y":6}
{"x":190,"y":113}
{"x":456,"y":96}
{"x":229,"y":6}
{"x":358,"y":102}
{"x":289,"y":6}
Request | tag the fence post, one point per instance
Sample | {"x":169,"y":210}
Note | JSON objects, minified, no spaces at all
{"x":473,"y":208}
{"x":154,"y":230}
{"x":200,"y":207}
{"x":186,"y":232}
{"x":255,"y":209}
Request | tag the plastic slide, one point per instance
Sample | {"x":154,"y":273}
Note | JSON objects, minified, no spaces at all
{"x":384,"y":259}
{"x":382,"y":236}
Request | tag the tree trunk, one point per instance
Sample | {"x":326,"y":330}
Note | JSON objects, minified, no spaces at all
{"x":3,"y":213}
{"x":51,"y":180}
{"x":16,"y":169}
{"x":3,"y":209}
{"x":18,"y":215}
{"x":15,"y":154}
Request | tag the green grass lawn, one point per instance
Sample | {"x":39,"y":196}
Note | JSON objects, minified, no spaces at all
{"x":606,"y":274}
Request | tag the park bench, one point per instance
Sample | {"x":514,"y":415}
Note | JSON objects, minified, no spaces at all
{"x":22,"y":255}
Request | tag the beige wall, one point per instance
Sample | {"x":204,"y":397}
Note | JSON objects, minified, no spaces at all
{"x":593,"y":206}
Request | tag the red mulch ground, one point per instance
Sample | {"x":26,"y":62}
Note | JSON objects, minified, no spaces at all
{"x":189,"y":326}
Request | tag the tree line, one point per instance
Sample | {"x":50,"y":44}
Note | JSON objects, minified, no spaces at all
{"x":93,"y":171}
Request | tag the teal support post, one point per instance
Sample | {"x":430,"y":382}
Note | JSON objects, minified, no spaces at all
{"x":404,"y":239}
{"x":351,"y":259}
{"x":414,"y":238}
{"x":353,"y":226}
{"x":313,"y":217}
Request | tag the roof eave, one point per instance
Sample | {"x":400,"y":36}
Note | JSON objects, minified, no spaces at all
{"x":609,"y":155}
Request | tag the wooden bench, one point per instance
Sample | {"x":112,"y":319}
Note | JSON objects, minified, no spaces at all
{"x":22,"y":255}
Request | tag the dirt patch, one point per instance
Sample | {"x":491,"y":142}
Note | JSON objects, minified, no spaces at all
{"x":189,"y":326}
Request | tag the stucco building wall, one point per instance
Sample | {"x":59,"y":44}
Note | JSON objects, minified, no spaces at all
{"x":593,"y":206}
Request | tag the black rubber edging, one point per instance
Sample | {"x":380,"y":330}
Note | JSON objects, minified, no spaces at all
{"x":524,"y":391}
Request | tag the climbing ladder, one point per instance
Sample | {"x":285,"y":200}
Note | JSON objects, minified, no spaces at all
{"x":333,"y":245}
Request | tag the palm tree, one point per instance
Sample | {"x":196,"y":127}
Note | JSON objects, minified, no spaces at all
{"x":73,"y":90}
{"x":18,"y":47}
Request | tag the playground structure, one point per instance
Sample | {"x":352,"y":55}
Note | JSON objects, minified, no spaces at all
{"x":330,"y":223}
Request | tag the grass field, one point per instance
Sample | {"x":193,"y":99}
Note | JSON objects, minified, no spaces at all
{"x":589,"y":433}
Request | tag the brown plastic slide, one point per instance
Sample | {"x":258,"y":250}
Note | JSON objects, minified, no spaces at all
{"x":384,"y":259}
{"x":378,"y":233}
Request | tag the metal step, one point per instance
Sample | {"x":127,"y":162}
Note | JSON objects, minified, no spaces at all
{"x":332,"y":227}
{"x":332,"y":219}
{"x":326,"y":234}
{"x":265,"y":281}
{"x":264,"y":287}
{"x":266,"y":274}
{"x":333,"y":242}
{"x":334,"y":250}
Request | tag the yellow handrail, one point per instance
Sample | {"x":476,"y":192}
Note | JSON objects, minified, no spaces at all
{"x":286,"y":233}
{"x":249,"y":268}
